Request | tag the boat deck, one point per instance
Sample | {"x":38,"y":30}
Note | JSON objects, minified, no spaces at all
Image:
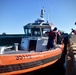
{"x":13,"y":51}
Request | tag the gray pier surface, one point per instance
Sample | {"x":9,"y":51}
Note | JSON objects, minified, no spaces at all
{"x":71,"y":57}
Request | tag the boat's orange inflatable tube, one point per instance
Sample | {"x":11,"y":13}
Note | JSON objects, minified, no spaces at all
{"x":27,"y":62}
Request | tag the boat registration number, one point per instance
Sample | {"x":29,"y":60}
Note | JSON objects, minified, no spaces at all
{"x":21,"y":57}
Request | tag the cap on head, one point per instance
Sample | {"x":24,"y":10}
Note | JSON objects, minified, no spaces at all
{"x":55,"y":29}
{"x":72,"y":29}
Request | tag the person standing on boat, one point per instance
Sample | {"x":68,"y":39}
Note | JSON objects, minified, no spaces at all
{"x":52,"y":38}
{"x":59,"y":37}
{"x":73,"y":31}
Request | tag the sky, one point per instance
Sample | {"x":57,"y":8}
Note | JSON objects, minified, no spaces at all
{"x":14,"y":14}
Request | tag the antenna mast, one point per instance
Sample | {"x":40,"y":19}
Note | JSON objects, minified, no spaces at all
{"x":42,"y":13}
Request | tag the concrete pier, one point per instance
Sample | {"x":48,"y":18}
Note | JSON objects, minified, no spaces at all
{"x":71,"y":62}
{"x":71,"y":57}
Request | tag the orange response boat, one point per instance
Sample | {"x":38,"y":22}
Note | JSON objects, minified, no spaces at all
{"x":32,"y":53}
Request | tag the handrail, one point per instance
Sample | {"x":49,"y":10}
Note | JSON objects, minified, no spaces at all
{"x":3,"y":48}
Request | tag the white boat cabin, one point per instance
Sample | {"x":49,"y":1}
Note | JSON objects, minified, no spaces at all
{"x":36,"y":36}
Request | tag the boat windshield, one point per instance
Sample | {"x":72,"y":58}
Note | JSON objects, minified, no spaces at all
{"x":32,"y":31}
{"x":27,"y":32}
{"x":37,"y":32}
{"x":45,"y":31}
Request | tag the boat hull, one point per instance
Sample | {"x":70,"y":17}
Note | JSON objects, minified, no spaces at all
{"x":27,"y":62}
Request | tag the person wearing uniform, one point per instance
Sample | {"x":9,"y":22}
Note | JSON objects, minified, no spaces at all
{"x":59,"y":37}
{"x":73,"y":31}
{"x":52,"y":38}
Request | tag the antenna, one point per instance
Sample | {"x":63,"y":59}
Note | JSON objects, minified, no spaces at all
{"x":48,"y":18}
{"x":42,"y":13}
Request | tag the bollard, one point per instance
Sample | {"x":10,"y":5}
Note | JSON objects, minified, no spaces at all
{"x":16,"y":46}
